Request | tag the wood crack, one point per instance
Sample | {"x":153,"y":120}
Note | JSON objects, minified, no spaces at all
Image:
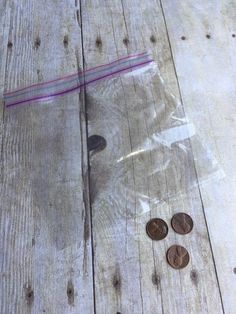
{"x":86,"y":176}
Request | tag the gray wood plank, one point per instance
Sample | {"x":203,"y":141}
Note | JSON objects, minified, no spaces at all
{"x":46,"y":263}
{"x":206,"y":71}
{"x":131,"y":274}
{"x":4,"y":31}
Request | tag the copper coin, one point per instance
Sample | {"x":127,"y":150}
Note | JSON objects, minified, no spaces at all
{"x":177,"y":256}
{"x":96,"y":142}
{"x":182,"y":223}
{"x":157,"y":229}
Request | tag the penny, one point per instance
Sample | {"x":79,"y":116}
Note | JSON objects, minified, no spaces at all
{"x":177,"y":256}
{"x":96,"y":142}
{"x":182,"y":223}
{"x":157,"y":229}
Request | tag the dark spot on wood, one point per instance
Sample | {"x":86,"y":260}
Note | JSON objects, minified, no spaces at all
{"x":116,"y":281}
{"x":70,"y":292}
{"x":37,"y":43}
{"x":99,"y":43}
{"x":233,"y":35}
{"x":9,"y":45}
{"x":126,"y":41}
{"x":183,"y":38}
{"x":86,"y":230}
{"x":86,"y":211}
{"x":208,"y":36}
{"x":38,"y":71}
{"x":78,"y":17}
{"x":66,"y":41}
{"x":44,"y":311}
{"x":118,"y":312}
{"x":194,"y":277}
{"x":156,"y":279}
{"x":153,"y":39}
{"x":33,"y":242}
{"x":29,"y":294}
{"x":234,"y":270}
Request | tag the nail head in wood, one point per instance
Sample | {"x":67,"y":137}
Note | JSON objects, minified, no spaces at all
{"x":153,"y":39}
{"x":9,"y":45}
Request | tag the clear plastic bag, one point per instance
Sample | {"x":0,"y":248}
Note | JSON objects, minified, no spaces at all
{"x":153,"y":155}
{"x":149,"y":158}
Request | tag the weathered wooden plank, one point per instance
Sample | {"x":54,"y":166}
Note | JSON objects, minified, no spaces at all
{"x":46,"y":264}
{"x":4,"y":30}
{"x":131,"y":274}
{"x":206,"y":72}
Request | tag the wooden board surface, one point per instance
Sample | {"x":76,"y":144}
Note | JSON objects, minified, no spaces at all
{"x":55,"y":256}
{"x":206,"y":72}
{"x":131,"y":274}
{"x":45,"y":225}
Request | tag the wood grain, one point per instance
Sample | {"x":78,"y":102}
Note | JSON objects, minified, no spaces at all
{"x":4,"y":30}
{"x":46,"y":263}
{"x":48,"y":237}
{"x":206,"y":72}
{"x":131,"y":274}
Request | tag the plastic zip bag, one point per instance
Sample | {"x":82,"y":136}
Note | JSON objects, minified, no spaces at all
{"x":150,"y":160}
